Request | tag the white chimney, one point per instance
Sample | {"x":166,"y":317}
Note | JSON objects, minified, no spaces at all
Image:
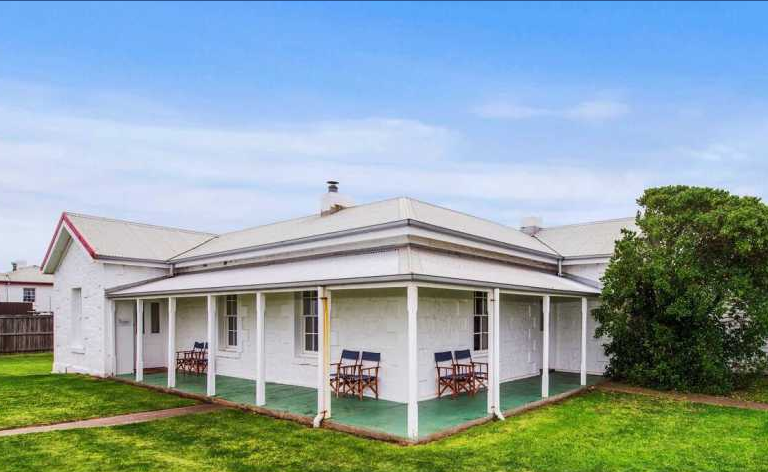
{"x":18,"y":264}
{"x":333,"y":201}
{"x":530,"y":225}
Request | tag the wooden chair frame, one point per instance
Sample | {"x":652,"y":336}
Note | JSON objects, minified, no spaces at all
{"x":195,"y":360}
{"x":455,"y":378}
{"x":368,"y":374}
{"x":344,"y":379}
{"x":479,"y":370}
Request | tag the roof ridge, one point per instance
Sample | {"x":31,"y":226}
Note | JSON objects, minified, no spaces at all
{"x":611,"y":220}
{"x":137,"y":223}
{"x":303,"y":217}
{"x":488,"y":220}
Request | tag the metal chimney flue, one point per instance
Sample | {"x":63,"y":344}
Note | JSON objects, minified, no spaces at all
{"x":333,"y":186}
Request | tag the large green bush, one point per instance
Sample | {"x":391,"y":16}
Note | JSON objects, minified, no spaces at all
{"x":685,"y":299}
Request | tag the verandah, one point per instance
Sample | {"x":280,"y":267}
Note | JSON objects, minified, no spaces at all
{"x":435,"y":415}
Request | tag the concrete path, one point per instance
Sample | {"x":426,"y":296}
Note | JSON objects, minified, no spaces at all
{"x":130,"y":418}
{"x":689,"y":397}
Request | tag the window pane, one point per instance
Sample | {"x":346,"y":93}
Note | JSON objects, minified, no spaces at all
{"x":484,"y":341}
{"x":483,"y":324}
{"x":309,"y":326}
{"x":477,"y":346}
{"x":154,"y":318}
{"x":476,"y":324}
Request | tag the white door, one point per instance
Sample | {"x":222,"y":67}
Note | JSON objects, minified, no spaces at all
{"x":124,"y":337}
{"x":155,"y":335}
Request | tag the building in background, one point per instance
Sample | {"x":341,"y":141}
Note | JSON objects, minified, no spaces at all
{"x":27,"y":284}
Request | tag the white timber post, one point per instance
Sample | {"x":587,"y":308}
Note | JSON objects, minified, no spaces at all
{"x":413,"y":361}
{"x":212,"y":338}
{"x":261,"y":352}
{"x":111,"y":347}
{"x":545,"y":348}
{"x":494,"y":370}
{"x":139,"y":340}
{"x":323,"y":358}
{"x":584,"y":312}
{"x":171,"y":342}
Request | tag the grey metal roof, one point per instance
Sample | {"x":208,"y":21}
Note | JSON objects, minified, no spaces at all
{"x":29,"y":274}
{"x":354,"y":269}
{"x":124,"y":239}
{"x":586,"y":239}
{"x":361,"y":216}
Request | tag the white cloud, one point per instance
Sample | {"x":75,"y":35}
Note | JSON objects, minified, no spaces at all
{"x":587,"y":111}
{"x":220,"y":179}
{"x":717,"y":152}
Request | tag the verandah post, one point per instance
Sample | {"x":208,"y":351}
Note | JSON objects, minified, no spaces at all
{"x":494,"y":357}
{"x":545,"y":348}
{"x":171,"y":362}
{"x":584,"y":311}
{"x":323,"y":358}
{"x":261,"y":351}
{"x":412,"y":295}
{"x":212,"y":338}
{"x":139,"y":340}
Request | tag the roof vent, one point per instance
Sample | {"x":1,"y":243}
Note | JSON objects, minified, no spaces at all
{"x":531,"y":225}
{"x":333,"y":201}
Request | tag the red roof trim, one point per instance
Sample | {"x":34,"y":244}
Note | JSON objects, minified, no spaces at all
{"x":64,"y":219}
{"x":79,"y":236}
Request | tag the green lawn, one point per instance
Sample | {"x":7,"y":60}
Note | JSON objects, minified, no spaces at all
{"x":594,"y":432}
{"x":31,"y":395}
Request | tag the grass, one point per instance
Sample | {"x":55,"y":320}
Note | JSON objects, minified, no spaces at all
{"x":593,"y":432}
{"x":31,"y":395}
{"x":13,"y":365}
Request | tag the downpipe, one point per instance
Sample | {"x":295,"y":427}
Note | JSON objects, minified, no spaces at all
{"x":318,"y":419}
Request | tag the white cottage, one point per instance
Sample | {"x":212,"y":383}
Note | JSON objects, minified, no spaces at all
{"x":277,"y":304}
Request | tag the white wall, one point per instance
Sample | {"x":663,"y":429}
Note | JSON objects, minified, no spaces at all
{"x":93,"y":353}
{"x":519,"y":337}
{"x":15,"y":293}
{"x":376,"y":320}
{"x":566,"y":339}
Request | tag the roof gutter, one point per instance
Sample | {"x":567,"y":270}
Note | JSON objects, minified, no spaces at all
{"x":412,"y":277}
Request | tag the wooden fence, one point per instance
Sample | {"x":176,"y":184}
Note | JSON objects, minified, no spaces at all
{"x":26,"y":333}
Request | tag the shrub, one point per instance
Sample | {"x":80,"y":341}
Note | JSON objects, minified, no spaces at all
{"x":685,"y":299}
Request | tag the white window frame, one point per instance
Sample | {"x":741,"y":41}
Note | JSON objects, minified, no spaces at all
{"x":308,"y":298}
{"x":477,"y":321}
{"x":231,"y":322}
{"x":27,"y":290}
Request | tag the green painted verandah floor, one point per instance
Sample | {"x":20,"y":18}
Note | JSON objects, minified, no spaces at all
{"x":381,"y":415}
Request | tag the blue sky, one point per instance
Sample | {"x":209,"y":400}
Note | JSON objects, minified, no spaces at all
{"x":218,"y":116}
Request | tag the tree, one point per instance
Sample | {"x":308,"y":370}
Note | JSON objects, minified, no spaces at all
{"x":685,"y":299}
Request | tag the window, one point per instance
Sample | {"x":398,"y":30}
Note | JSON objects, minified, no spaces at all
{"x":309,"y":320}
{"x":154,"y":317}
{"x":231,"y":321}
{"x":76,"y":312}
{"x":480,"y":331}
{"x":29,"y":295}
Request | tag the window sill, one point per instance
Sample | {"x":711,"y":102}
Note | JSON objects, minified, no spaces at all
{"x":305,"y":358}
{"x":77,"y":349}
{"x":229,"y":353}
